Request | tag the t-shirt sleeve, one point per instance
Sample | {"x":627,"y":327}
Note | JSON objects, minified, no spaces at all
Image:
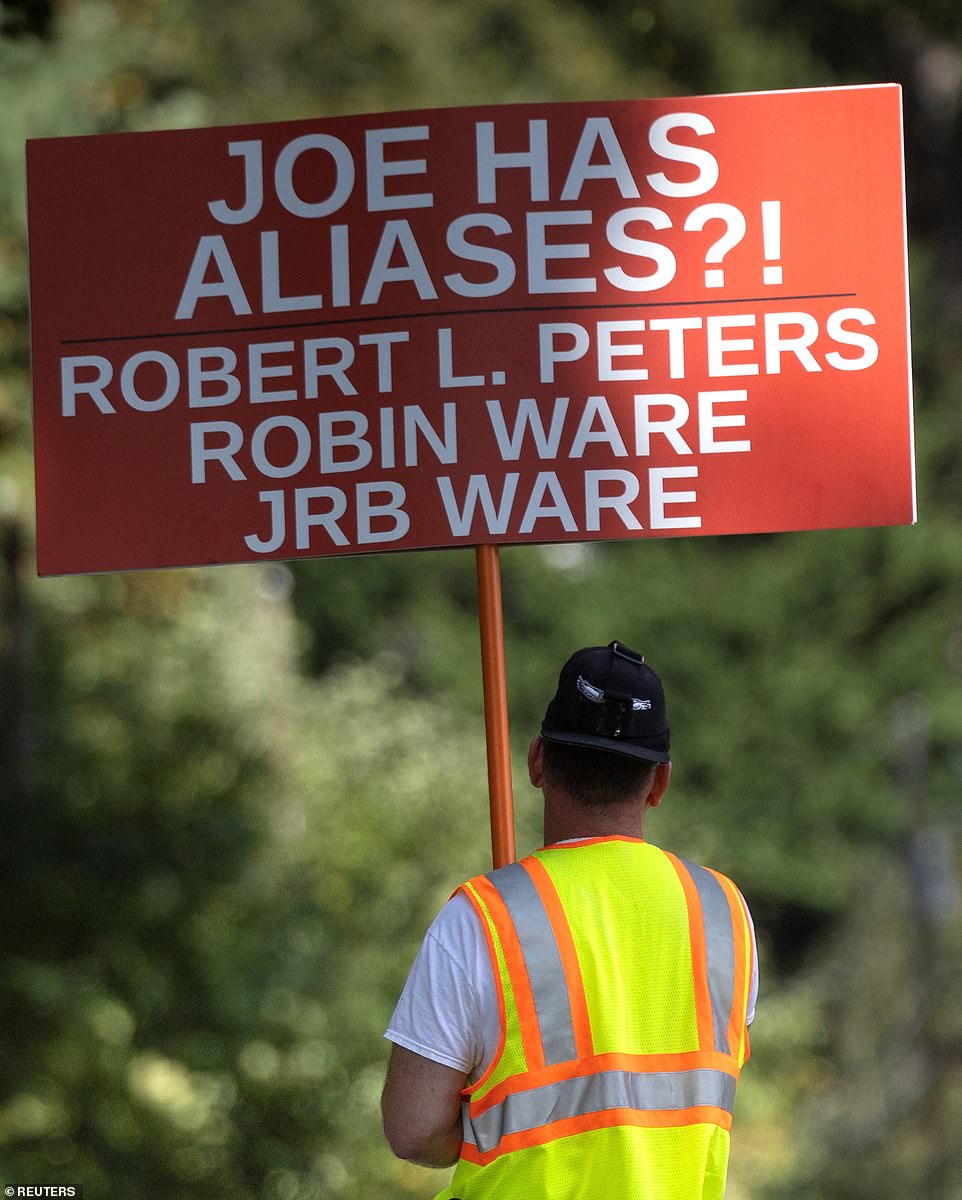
{"x":438,"y":1013}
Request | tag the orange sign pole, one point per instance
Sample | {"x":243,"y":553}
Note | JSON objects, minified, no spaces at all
{"x":494,"y":679}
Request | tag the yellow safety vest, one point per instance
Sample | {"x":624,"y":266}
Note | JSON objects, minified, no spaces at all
{"x":623,"y":977}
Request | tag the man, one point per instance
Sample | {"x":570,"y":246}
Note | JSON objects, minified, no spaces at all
{"x":574,"y":1024}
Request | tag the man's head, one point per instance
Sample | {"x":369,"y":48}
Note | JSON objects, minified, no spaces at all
{"x":605,"y":733}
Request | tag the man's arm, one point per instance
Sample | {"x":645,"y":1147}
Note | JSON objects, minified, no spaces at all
{"x":421,"y":1109}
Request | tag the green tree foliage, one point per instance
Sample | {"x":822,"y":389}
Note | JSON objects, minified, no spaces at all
{"x":231,"y":800}
{"x":218,"y":873}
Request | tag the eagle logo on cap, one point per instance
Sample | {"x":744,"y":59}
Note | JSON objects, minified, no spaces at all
{"x":597,"y":695}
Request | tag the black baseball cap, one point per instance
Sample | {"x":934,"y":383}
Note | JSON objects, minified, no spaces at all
{"x":609,"y":698}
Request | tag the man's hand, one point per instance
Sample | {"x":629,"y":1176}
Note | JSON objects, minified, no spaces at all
{"x":421,"y":1109}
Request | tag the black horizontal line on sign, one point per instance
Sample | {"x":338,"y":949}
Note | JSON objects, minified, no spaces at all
{"x":383,"y":318}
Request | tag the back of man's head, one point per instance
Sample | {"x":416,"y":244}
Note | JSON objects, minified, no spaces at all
{"x":594,"y":777}
{"x":606,"y":728}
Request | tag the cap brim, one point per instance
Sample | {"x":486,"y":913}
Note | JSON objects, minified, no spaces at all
{"x":609,"y":745}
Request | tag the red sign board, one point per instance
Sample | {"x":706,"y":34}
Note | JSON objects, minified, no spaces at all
{"x":524,"y":323}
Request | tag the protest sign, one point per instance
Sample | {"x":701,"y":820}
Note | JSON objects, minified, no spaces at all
{"x":524,"y":323}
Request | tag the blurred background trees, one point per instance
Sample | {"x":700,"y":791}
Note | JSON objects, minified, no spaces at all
{"x":230,"y":800}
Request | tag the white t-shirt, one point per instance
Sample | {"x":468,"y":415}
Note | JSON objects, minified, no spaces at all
{"x":448,"y":1010}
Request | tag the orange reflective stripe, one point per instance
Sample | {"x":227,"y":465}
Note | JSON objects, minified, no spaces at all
{"x":699,"y":956}
{"x":736,"y":1023}
{"x":658,"y":1091}
{"x":542,"y":958}
{"x":654,"y":1119}
{"x":640,"y":1063}
{"x":468,"y":890}
{"x":517,"y":971}
{"x":569,"y":955}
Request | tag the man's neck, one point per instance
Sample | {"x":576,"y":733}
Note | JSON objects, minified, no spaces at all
{"x":564,"y":819}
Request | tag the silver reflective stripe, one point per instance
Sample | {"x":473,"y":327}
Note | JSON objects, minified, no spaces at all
{"x":655,"y":1091}
{"x":719,"y":950}
{"x":542,"y":958}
